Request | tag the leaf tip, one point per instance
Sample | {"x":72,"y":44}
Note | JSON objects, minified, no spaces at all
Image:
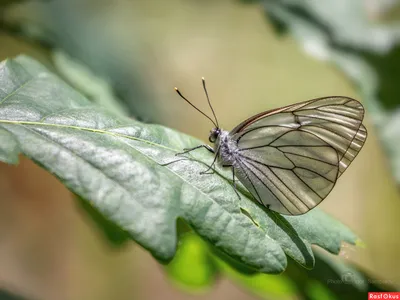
{"x":360,"y":243}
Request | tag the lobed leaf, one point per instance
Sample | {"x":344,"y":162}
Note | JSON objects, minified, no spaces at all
{"x":123,"y":169}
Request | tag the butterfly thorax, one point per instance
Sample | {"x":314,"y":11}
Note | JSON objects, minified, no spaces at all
{"x":227,"y":148}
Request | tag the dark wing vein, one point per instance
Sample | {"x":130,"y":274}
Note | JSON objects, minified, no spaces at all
{"x":313,"y":158}
{"x":300,"y":146}
{"x":284,"y":153}
{"x":321,"y":127}
{"x":311,"y":188}
{"x":261,"y":163}
{"x":280,"y":180}
{"x":314,"y":117}
{"x":263,"y":183}
{"x":261,"y":127}
{"x":261,"y":146}
{"x":249,"y":180}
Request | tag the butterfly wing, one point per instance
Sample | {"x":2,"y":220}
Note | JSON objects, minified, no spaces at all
{"x":291,"y":157}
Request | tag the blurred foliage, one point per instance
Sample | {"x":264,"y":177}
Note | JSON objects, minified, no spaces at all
{"x":388,"y":71}
{"x":91,"y":64}
{"x":263,"y":285}
{"x":335,"y":30}
{"x":79,"y":49}
{"x":5,"y":295}
{"x":343,"y":33}
{"x":96,"y":89}
{"x":330,"y":279}
{"x":192,"y":267}
{"x":8,"y":2}
{"x":104,"y":158}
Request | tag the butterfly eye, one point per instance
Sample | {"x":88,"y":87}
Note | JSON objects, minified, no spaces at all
{"x":213,"y":137}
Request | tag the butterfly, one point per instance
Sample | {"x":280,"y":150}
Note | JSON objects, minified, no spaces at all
{"x":290,"y":158}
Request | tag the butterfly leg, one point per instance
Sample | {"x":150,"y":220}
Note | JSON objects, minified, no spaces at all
{"x":187,"y":150}
{"x":171,"y":162}
{"x":198,"y":147}
{"x":233,"y":179}
{"x":210,"y":167}
{"x":234,"y":182}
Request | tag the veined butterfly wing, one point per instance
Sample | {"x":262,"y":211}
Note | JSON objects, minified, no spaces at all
{"x":291,"y":157}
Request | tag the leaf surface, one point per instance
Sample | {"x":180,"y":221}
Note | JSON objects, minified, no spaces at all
{"x":118,"y":166}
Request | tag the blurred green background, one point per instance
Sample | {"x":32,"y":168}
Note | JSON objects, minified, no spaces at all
{"x":255,"y":55}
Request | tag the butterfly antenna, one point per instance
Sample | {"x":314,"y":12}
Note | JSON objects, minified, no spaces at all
{"x":209,"y":102}
{"x":179,"y":93}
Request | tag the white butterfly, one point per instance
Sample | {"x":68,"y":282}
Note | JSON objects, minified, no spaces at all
{"x":290,"y":158}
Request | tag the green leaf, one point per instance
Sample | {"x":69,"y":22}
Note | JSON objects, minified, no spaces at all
{"x":8,"y":147}
{"x":265,"y":286}
{"x":204,"y":268}
{"x":123,"y":168}
{"x":89,"y":61}
{"x":97,"y":89}
{"x":9,"y":2}
{"x":192,"y":268}
{"x":7,"y":295}
{"x":317,"y":291}
{"x":332,"y":278}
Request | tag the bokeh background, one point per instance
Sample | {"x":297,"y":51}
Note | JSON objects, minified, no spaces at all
{"x":255,"y":55}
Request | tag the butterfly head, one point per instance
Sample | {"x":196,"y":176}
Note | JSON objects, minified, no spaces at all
{"x":214,"y":134}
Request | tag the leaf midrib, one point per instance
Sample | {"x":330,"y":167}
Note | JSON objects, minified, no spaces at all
{"x":87,"y":129}
{"x":116,"y":135}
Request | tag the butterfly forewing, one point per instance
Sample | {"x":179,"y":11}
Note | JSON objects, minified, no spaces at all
{"x":291,"y":157}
